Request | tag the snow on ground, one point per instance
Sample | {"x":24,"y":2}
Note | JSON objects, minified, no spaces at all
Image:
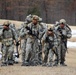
{"x":73,"y":33}
{"x":72,"y":44}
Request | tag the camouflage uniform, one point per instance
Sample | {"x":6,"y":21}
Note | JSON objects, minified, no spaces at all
{"x":32,"y":41}
{"x":8,"y":37}
{"x":23,"y":42}
{"x":58,"y":47}
{"x":63,"y":32}
{"x":49,"y":43}
{"x":23,"y":36}
{"x":41,"y":34}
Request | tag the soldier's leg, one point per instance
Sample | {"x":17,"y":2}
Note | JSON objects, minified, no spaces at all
{"x":63,"y":53}
{"x":40,"y":52}
{"x":4,"y":54}
{"x":23,"y":55}
{"x":1,"y":47}
{"x":45,"y":55}
{"x":23,"y":52}
{"x":35,"y":47}
{"x":28,"y":49}
{"x":36,"y":53}
{"x":61,"y":50}
{"x":45,"y":58}
{"x":10,"y":54}
{"x":50,"y":57}
{"x":58,"y":50}
{"x":57,"y":57}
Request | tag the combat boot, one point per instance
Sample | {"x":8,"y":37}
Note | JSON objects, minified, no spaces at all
{"x":4,"y":63}
{"x":55,"y":64}
{"x":44,"y":64}
{"x":63,"y":64}
{"x":49,"y":65}
{"x":10,"y":62}
{"x":25,"y":64}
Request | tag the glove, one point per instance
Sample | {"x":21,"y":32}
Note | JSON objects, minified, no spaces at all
{"x":54,"y":48}
{"x":27,"y":27}
{"x":29,"y":32}
{"x":17,"y":43}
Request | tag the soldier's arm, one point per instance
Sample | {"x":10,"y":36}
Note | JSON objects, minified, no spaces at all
{"x":1,"y":32}
{"x":69,"y":32}
{"x":44,"y":27}
{"x":43,"y":30}
{"x":43,"y":40}
{"x":55,"y":40}
{"x":15,"y":36}
{"x":23,"y":32}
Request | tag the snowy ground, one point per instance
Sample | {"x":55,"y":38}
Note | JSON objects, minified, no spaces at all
{"x":71,"y":44}
{"x":73,"y":33}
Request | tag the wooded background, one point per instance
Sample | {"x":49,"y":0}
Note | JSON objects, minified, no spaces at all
{"x":49,"y":10}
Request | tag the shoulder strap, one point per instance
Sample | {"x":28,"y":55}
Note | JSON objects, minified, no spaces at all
{"x":68,"y":27}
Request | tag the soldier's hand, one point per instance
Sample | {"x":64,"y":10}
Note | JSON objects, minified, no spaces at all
{"x":54,"y":48}
{"x":27,"y":27}
{"x":29,"y":32}
{"x":5,"y":27}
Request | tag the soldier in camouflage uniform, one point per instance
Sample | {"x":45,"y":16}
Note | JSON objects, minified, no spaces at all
{"x":32,"y":40}
{"x":23,"y":37}
{"x":23,"y":34}
{"x":8,"y":36}
{"x":15,"y":58}
{"x":63,"y":32}
{"x":41,"y":33}
{"x":23,"y":43}
{"x":49,"y":43}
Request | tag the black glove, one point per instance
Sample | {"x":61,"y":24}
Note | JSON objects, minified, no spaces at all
{"x":27,"y":27}
{"x":60,"y":30}
{"x":17,"y":43}
{"x":30,"y":32}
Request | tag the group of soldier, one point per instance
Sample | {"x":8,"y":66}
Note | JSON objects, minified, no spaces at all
{"x":40,"y":45}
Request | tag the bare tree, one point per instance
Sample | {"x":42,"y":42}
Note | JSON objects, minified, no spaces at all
{"x":5,"y":9}
{"x":45,"y":9}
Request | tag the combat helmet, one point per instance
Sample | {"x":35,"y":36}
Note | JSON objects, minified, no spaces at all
{"x":35,"y":17}
{"x":7,"y":23}
{"x":62,"y":21}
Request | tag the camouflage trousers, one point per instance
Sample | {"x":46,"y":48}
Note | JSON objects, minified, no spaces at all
{"x":23,"y":48}
{"x":7,"y":53}
{"x":31,"y":49}
{"x":48,"y":55}
{"x":61,"y":50}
